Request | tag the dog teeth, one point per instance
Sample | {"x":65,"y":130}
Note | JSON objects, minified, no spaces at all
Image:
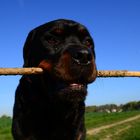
{"x":76,"y":86}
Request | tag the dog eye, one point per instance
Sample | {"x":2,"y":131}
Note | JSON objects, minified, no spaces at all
{"x":52,"y":40}
{"x":88,"y":42}
{"x":82,"y":30}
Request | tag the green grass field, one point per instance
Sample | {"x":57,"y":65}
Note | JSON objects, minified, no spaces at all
{"x":94,"y":120}
{"x":5,"y":128}
{"x":127,"y":131}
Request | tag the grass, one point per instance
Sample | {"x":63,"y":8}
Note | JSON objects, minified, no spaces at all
{"x":133,"y":133}
{"x":127,"y":131}
{"x":5,"y":128}
{"x":94,"y":120}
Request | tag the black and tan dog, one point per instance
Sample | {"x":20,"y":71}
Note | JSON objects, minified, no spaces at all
{"x":51,"y":106}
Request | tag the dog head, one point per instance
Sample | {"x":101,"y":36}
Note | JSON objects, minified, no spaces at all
{"x":65,"y":50}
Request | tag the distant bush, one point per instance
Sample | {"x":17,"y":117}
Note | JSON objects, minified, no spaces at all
{"x":130,"y":106}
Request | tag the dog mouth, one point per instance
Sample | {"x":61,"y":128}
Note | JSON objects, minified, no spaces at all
{"x":77,"y":87}
{"x":73,"y":87}
{"x":73,"y":92}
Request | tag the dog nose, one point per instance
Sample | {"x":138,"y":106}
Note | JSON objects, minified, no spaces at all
{"x":82,"y":56}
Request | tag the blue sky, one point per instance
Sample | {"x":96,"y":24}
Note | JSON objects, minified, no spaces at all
{"x":113,"y":24}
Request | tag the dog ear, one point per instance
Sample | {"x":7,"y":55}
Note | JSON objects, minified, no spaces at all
{"x":28,"y":47}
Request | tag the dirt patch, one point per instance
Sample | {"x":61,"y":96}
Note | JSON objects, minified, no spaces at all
{"x":109,"y":137}
{"x":97,"y":130}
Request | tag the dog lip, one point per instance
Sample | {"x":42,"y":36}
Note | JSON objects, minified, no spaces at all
{"x":74,"y":86}
{"x":79,"y":63}
{"x":77,"y":86}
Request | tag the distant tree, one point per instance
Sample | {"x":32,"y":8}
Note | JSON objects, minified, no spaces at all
{"x":130,"y":106}
{"x":91,"y":109}
{"x":134,"y":105}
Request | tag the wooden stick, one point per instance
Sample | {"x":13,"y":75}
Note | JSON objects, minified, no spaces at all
{"x":20,"y":71}
{"x":101,"y":73}
{"x":118,"y":73}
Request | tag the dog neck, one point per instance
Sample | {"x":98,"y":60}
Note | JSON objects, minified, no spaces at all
{"x":59,"y":118}
{"x":66,"y":119}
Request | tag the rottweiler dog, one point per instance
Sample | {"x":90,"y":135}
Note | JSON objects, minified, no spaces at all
{"x":50,"y":106}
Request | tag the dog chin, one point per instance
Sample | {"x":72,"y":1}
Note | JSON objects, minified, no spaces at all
{"x":74,"y":92}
